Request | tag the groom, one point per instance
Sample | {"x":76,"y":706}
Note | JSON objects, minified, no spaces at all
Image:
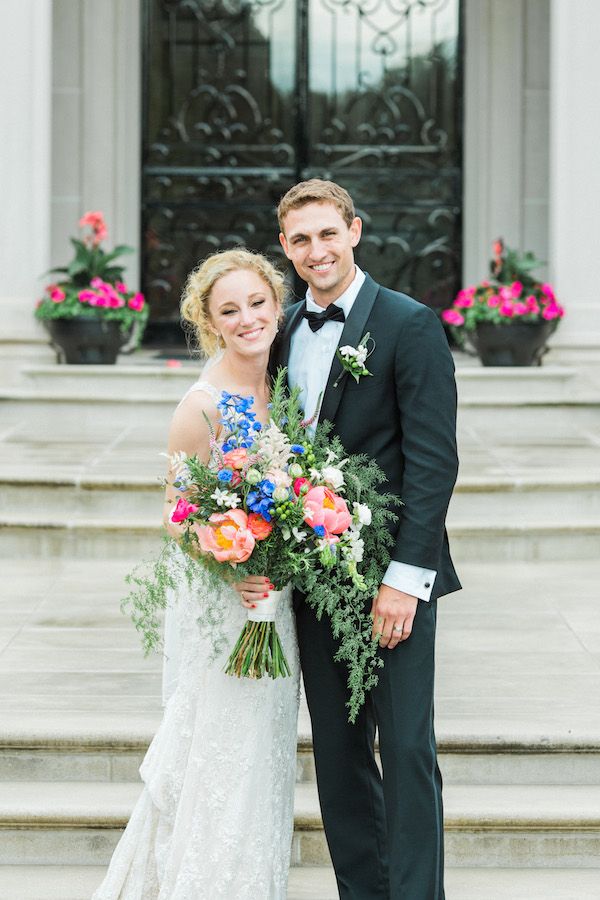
{"x":385,"y":835}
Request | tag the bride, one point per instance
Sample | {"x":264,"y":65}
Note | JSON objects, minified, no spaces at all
{"x":215,"y":817}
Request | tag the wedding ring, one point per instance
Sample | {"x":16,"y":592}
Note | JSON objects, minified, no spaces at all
{"x":398,"y":628}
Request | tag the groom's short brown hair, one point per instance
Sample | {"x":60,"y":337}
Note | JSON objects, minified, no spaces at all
{"x":316,"y":191}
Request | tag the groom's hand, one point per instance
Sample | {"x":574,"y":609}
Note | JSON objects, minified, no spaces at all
{"x":393,"y":616}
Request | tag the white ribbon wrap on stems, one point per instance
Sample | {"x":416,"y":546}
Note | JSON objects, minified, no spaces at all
{"x":265,"y":608}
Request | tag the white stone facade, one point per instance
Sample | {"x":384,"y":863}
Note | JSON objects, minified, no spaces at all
{"x":71,"y":100}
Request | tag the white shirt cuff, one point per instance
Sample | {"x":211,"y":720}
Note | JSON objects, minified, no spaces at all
{"x":410,"y":579}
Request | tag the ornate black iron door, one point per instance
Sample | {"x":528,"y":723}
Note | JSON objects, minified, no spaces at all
{"x":243,"y":98}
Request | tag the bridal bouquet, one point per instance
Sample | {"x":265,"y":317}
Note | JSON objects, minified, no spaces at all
{"x":272,"y":502}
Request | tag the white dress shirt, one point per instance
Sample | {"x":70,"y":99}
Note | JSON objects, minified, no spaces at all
{"x":309,"y":364}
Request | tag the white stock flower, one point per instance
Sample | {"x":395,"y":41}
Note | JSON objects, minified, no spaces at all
{"x":333,"y":477}
{"x":361,"y":513}
{"x":353,"y":546}
{"x":348,"y":351}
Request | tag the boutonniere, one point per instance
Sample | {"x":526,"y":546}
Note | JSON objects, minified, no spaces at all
{"x":353,"y":359}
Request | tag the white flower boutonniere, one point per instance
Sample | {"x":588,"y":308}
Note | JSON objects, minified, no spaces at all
{"x":353,"y":359}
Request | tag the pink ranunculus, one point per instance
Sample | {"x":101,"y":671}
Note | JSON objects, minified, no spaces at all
{"x":506,"y":309}
{"x":182,"y":510}
{"x":493,"y":301}
{"x":259,"y":527}
{"x":227,"y":536}
{"x":548,"y":290}
{"x":299,"y":484}
{"x":323,"y":507}
{"x":86,"y":296}
{"x":505,"y":293}
{"x":96,"y":283}
{"x":137,"y":302}
{"x":516,"y":288}
{"x":520,"y":309}
{"x":453,"y":317}
{"x":57,"y":295}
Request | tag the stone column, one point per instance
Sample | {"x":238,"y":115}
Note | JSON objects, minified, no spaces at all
{"x":25,"y":92}
{"x":575,"y":174}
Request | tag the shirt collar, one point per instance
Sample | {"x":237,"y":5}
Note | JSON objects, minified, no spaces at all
{"x":346,"y":300}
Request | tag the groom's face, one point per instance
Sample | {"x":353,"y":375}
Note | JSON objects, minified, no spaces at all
{"x":320,"y":245}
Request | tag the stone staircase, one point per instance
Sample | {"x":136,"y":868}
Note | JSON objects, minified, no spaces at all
{"x":518,"y":649}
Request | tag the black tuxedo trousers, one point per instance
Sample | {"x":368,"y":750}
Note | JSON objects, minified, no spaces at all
{"x":385,"y":834}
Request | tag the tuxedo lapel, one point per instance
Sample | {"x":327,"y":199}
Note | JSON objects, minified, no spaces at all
{"x":354,"y":330}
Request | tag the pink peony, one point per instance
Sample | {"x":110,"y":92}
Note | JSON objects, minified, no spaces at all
{"x":228,"y":538}
{"x":182,"y":510}
{"x":453,"y":317}
{"x":516,"y":288}
{"x":136,"y":302}
{"x":506,"y":309}
{"x":57,"y":295}
{"x":323,"y":507}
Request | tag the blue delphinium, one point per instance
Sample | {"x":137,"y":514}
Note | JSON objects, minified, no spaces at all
{"x":260,"y":500}
{"x":238,"y":420}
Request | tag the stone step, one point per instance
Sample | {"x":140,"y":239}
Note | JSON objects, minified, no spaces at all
{"x":318,"y":883}
{"x":554,"y":383}
{"x":104,"y":497}
{"x":496,"y":825}
{"x":116,"y":757}
{"x":96,"y":538}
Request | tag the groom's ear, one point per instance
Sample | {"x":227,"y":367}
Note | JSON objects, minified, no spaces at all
{"x":355,"y":229}
{"x":284,"y":243}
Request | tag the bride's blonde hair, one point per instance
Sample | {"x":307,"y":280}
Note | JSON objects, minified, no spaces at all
{"x":200,"y":282}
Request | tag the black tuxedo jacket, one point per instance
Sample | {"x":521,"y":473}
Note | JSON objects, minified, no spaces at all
{"x":403,"y":416}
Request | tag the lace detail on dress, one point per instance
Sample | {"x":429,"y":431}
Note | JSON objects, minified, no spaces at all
{"x":204,"y":386}
{"x":215,"y":817}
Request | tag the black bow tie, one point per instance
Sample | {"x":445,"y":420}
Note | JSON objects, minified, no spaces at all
{"x":315,"y":320}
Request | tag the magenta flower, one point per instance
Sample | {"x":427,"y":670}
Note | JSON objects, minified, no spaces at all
{"x":516,"y":288}
{"x":506,"y":309}
{"x":493,"y":301}
{"x":96,"y":283}
{"x":548,"y":291}
{"x":505,"y":293}
{"x":453,"y":317}
{"x":532,"y":305}
{"x":136,"y":302}
{"x":86,"y":296}
{"x":520,"y":309}
{"x":57,"y":295}
{"x":182,"y":510}
{"x":122,"y":287}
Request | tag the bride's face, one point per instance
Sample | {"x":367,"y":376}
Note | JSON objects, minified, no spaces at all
{"x":243,"y":311}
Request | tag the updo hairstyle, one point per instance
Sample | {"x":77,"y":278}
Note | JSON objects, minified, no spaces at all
{"x":200,"y":282}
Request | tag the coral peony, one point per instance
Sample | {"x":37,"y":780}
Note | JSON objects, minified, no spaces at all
{"x":324,"y":508}
{"x":227,"y":536}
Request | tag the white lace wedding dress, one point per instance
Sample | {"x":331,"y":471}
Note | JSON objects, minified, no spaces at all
{"x":215,"y":816}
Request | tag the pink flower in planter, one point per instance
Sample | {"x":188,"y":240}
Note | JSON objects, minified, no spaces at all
{"x":115,"y":302}
{"x":548,"y":291}
{"x":99,"y":300}
{"x":516,"y":288}
{"x":506,"y":309}
{"x":493,"y":301}
{"x":96,"y":283}
{"x":137,"y":302}
{"x":520,"y":309}
{"x":505,"y":293}
{"x":453,"y":317}
{"x":532,"y":305}
{"x":552,"y":311}
{"x":57,"y":295}
{"x":86,"y":296}
{"x":122,"y":287}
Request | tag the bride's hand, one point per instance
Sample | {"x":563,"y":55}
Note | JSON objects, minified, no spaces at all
{"x":252,"y":590}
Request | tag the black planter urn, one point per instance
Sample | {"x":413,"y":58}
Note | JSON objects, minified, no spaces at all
{"x":86,"y":341}
{"x":514,"y":344}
